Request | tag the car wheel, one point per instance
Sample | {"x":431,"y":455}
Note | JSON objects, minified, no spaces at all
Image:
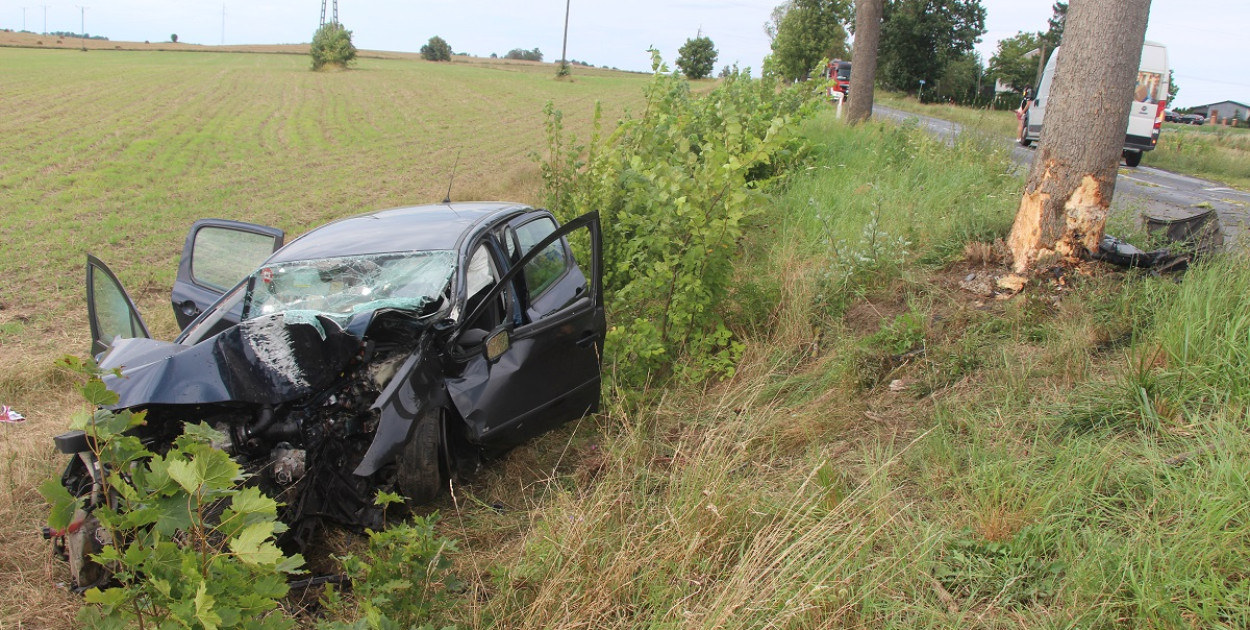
{"x":1132,"y":158}
{"x":420,"y":473}
{"x":1024,"y":133}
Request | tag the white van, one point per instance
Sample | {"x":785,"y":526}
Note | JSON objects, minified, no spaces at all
{"x":1145,"y":111}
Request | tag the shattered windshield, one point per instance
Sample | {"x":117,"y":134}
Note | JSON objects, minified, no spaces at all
{"x":348,"y":285}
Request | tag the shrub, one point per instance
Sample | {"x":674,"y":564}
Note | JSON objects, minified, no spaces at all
{"x":437,"y":50}
{"x":174,"y":38}
{"x":332,"y":46}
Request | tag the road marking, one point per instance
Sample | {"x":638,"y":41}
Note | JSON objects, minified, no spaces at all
{"x":1227,"y":190}
{"x":1145,"y":182}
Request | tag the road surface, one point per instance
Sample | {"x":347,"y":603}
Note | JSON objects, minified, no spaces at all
{"x":1141,"y":191}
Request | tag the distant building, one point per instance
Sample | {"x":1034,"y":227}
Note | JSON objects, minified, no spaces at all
{"x":1224,"y":110}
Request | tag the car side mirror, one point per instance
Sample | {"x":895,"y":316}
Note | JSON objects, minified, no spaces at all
{"x":497,"y":344}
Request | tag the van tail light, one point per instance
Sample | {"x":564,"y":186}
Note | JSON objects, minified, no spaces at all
{"x":1154,"y":136}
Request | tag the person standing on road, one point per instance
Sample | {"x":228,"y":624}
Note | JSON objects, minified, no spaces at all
{"x":1020,"y":111}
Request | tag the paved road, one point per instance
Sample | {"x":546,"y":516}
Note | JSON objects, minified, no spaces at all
{"x":1142,"y":191}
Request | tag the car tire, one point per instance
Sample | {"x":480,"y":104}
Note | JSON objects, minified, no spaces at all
{"x":1132,"y":158}
{"x":420,"y":473}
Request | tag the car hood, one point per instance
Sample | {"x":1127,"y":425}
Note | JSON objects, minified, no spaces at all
{"x":266,"y":360}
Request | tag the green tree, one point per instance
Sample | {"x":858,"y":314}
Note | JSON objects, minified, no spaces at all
{"x":174,"y":38}
{"x":1054,"y":25}
{"x":806,"y":32}
{"x":920,"y":37}
{"x":697,"y":57}
{"x":526,"y":55}
{"x":1010,"y":65}
{"x":960,"y":79}
{"x":1173,"y":88}
{"x":332,"y":46}
{"x":436,"y":50}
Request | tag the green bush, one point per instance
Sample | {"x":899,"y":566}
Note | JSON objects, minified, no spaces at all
{"x":332,"y":46}
{"x":437,"y":50}
{"x":677,"y":191}
{"x":196,"y":549}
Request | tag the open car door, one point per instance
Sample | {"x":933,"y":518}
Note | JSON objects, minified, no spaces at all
{"x":110,"y":310}
{"x":543,"y":369}
{"x":218,"y":254}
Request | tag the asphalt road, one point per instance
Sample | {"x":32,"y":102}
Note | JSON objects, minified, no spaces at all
{"x":1142,"y":191}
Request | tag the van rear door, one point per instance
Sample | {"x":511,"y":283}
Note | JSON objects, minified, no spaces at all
{"x":1149,"y":99}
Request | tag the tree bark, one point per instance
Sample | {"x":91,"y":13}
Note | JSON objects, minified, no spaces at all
{"x":864,"y":59}
{"x":1064,"y":206}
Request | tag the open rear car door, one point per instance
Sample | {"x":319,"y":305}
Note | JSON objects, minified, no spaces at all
{"x":109,"y":308}
{"x":218,"y":254}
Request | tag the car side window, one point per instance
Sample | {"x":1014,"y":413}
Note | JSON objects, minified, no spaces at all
{"x":545,"y":269}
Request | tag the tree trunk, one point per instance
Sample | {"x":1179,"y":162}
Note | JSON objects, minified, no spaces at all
{"x":1066,"y":200}
{"x":864,"y":59}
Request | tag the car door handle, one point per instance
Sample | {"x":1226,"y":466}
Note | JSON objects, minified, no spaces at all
{"x":587,"y":339}
{"x":189,"y":308}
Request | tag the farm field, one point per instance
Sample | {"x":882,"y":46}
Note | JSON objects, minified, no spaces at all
{"x":116,"y":153}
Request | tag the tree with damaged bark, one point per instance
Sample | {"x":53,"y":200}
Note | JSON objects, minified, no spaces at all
{"x":1066,"y":199}
{"x":864,"y":57}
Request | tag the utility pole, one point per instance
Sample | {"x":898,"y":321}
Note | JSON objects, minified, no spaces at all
{"x":23,"y":18}
{"x":82,"y":25}
{"x":45,"y":19}
{"x":564,"y":50}
{"x":223,"y":24}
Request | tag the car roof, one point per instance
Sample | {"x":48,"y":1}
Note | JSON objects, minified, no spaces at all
{"x":414,"y":228}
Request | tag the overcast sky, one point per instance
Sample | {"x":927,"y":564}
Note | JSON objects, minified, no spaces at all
{"x":1204,"y":47}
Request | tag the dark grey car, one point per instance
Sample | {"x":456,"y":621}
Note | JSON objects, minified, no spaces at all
{"x":379,"y":352}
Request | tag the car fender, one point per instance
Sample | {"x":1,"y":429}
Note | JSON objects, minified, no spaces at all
{"x":417,"y":386}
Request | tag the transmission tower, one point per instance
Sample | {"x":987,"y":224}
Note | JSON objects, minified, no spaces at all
{"x":334,"y":17}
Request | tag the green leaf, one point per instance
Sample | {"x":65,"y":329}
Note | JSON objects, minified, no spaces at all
{"x":63,"y":503}
{"x":252,"y":546}
{"x":98,"y":394}
{"x":204,"y":608}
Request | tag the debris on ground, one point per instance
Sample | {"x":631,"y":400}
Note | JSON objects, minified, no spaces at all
{"x":1189,"y":237}
{"x":9,"y":416}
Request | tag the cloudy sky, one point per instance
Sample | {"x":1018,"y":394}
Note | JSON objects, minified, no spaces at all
{"x":1201,"y":36}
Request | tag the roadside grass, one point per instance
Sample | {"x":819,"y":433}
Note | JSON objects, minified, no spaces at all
{"x":1212,"y":152}
{"x":116,"y":153}
{"x":1074,"y":456}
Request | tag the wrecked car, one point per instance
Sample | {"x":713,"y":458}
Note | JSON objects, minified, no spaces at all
{"x":380,"y":352}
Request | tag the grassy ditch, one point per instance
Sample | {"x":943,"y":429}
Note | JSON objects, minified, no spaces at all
{"x":896,"y":450}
